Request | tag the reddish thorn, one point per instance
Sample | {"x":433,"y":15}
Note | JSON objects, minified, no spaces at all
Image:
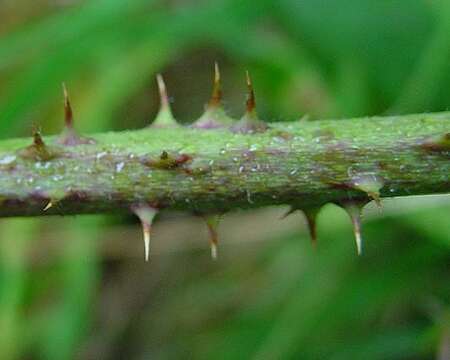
{"x":68,"y":115}
{"x":311,"y":221}
{"x":250,"y":103}
{"x":216,"y":96}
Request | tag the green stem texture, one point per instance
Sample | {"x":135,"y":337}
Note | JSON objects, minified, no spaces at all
{"x":304,"y":164}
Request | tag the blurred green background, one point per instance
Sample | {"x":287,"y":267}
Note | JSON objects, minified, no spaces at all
{"x":78,"y":288}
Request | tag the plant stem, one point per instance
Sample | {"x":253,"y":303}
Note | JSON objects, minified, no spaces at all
{"x":304,"y":164}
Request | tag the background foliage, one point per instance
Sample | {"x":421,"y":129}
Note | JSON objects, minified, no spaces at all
{"x":77,"y":287}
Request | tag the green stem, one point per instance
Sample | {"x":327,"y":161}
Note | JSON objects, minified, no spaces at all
{"x":304,"y":164}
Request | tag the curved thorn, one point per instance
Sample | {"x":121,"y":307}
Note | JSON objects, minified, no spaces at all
{"x":163,"y":98}
{"x":249,"y":123}
{"x":164,"y":118}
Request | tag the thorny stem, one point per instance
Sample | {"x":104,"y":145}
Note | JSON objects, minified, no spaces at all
{"x":220,"y":164}
{"x":304,"y":164}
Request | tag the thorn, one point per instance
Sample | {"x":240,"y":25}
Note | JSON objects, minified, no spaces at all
{"x":54,"y":197}
{"x":38,"y":151}
{"x":163,"y":98}
{"x":249,"y":123}
{"x":357,"y":232}
{"x":216,"y":96}
{"x":212,"y":222}
{"x":353,"y":210}
{"x":214,"y":115}
{"x":145,"y":213}
{"x":68,"y":114}
{"x":37,"y":138}
{"x":250,"y":103}
{"x":164,"y":118}
{"x":311,"y":215}
{"x":213,"y":251}
{"x":146,"y":230}
{"x":69,"y":136}
{"x":48,"y":206}
{"x":289,"y":212}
